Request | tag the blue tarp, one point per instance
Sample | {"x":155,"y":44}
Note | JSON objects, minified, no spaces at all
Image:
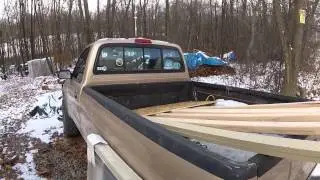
{"x":194,"y":60}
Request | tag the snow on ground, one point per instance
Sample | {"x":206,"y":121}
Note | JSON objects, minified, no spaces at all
{"x":27,"y":168}
{"x":19,"y":96}
{"x":43,"y":126}
{"x":265,"y":77}
{"x":261,"y":77}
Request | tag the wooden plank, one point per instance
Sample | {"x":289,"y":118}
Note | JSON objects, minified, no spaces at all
{"x":269,"y":106}
{"x":293,"y":128}
{"x":303,"y":150}
{"x":168,"y":107}
{"x":250,"y":111}
{"x":298,"y":117}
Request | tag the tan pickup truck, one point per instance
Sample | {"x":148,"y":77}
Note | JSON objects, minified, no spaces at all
{"x":114,"y":77}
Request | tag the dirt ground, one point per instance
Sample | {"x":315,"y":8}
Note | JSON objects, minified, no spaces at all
{"x":23,"y":156}
{"x":205,"y":71}
{"x":64,"y":158}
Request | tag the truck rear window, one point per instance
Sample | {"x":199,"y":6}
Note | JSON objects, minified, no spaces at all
{"x":113,"y":59}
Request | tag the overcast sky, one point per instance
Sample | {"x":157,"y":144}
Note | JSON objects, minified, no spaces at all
{"x":92,"y":4}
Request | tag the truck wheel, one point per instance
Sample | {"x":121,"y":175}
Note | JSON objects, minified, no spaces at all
{"x":69,"y":127}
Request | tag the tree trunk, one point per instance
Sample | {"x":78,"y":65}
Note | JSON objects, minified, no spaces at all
{"x":291,"y":54}
{"x":88,"y":20}
{"x":167,"y":19}
{"x":98,"y":20}
{"x":109,"y":32}
{"x":32,"y":45}
{"x":69,"y":21}
{"x":45,"y":47}
{"x":298,"y":40}
{"x":24,"y":49}
{"x":144,"y":21}
{"x":133,"y":15}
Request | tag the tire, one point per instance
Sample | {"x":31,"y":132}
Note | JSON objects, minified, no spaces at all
{"x":69,"y":127}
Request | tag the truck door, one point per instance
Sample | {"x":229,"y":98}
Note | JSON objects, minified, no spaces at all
{"x":75,"y":85}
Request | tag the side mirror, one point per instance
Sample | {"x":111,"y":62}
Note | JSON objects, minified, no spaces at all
{"x":64,"y":74}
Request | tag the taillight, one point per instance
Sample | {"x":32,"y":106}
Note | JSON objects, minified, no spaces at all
{"x":142,"y":41}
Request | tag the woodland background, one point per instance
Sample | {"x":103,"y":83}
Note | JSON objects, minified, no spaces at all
{"x":259,"y":31}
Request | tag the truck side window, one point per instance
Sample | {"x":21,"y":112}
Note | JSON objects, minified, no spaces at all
{"x":80,"y":65}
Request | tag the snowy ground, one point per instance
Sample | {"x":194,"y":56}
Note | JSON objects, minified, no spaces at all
{"x":265,"y":77}
{"x":43,"y":126}
{"x":31,"y":142}
{"x":18,"y":96}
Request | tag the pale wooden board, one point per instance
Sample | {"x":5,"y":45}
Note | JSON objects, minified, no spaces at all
{"x":299,"y":117}
{"x":300,"y":110}
{"x":269,"y":106}
{"x":293,"y":128}
{"x":169,"y":107}
{"x":303,"y":150}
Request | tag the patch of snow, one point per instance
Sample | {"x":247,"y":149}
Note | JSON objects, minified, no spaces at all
{"x":204,"y":54}
{"x":229,"y":103}
{"x":267,"y":78}
{"x":38,"y":127}
{"x":43,"y":126}
{"x":264,"y":77}
{"x":18,"y":96}
{"x":316,"y":171}
{"x":27,"y":169}
{"x":230,"y":153}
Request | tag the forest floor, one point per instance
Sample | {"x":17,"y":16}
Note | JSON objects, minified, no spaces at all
{"x":31,"y":142}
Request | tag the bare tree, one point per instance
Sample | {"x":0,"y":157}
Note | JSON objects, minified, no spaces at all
{"x":291,"y":41}
{"x":23,"y":42}
{"x":32,"y":39}
{"x":167,"y":18}
{"x":98,"y":22}
{"x":89,"y":35}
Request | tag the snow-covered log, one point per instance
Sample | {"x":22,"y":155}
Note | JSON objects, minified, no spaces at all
{"x":39,"y":67}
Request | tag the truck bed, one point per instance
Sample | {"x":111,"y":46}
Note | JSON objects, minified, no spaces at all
{"x":120,"y":99}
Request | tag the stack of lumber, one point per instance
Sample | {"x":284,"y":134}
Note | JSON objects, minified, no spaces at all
{"x":290,"y":118}
{"x":237,"y":126}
